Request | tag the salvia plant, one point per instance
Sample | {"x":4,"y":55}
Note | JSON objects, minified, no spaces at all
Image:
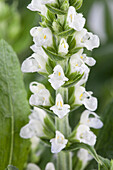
{"x":59,"y":55}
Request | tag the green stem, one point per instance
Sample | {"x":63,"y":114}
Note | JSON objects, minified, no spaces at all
{"x":64,"y":160}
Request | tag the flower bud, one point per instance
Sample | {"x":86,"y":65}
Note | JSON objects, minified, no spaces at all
{"x":65,"y":5}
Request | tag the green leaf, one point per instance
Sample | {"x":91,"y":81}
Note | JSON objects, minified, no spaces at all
{"x":66,"y":33}
{"x":14,"y":110}
{"x":53,"y":56}
{"x":55,"y":10}
{"x":10,"y":167}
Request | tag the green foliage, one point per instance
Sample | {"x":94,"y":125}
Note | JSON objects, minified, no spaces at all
{"x":14,"y":110}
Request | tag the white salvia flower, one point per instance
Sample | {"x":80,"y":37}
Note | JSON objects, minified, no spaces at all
{"x":32,"y":166}
{"x":87,"y":39}
{"x":60,"y":109}
{"x":41,"y":95}
{"x":84,"y":156}
{"x":41,"y":36}
{"x":75,"y":20}
{"x":87,"y":60}
{"x":57,"y":79}
{"x":34,"y":142}
{"x":35,"y":125}
{"x":49,"y":166}
{"x":85,"y":98}
{"x":93,"y":122}
{"x":58,"y":143}
{"x":77,"y":64}
{"x":63,"y":47}
{"x":36,"y":5}
{"x":84,"y":135}
{"x":35,"y":63}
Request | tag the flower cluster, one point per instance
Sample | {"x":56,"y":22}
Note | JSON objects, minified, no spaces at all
{"x":58,"y":55}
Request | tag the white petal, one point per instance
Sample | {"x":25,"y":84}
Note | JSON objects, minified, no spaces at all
{"x":57,"y":79}
{"x":85,"y":135}
{"x":78,"y":92}
{"x":63,"y":47}
{"x":90,"y":103}
{"x":75,"y":20}
{"x":32,"y":166}
{"x":34,"y":63}
{"x":36,"y":5}
{"x":38,"y":114}
{"x":90,"y":61}
{"x":93,"y":122}
{"x":33,"y":128}
{"x":93,"y":42}
{"x":41,"y":98}
{"x":58,"y":143}
{"x":50,"y":166}
{"x":84,"y":156}
{"x":42,"y":36}
{"x":36,"y":87}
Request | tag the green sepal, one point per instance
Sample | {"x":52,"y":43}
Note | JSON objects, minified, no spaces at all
{"x":49,"y":128}
{"x":45,"y":140}
{"x":75,"y":50}
{"x":10,"y":167}
{"x":50,"y":66}
{"x":66,"y":33}
{"x":53,"y":56}
{"x":72,"y":44}
{"x":46,"y":108}
{"x":78,"y":4}
{"x":55,"y":10}
{"x":73,"y":79}
{"x":49,"y":125}
{"x":71,"y":95}
{"x":44,"y":74}
{"x":50,"y":16}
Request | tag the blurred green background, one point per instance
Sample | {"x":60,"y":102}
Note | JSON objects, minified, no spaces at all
{"x":16,"y":21}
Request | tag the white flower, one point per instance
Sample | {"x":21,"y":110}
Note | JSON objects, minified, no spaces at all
{"x":85,"y":135}
{"x":36,"y":5}
{"x":87,"y":39}
{"x":75,"y":20}
{"x":84,"y":156}
{"x":35,"y":125}
{"x":32,"y":166}
{"x":63,"y":46}
{"x":87,"y":60}
{"x":60,"y":109}
{"x":85,"y":98}
{"x":35,"y":63}
{"x":57,"y":79}
{"x":49,"y":166}
{"x":93,"y":122}
{"x":41,"y":95}
{"x":41,"y":36}
{"x":58,"y":143}
{"x":77,"y":64}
